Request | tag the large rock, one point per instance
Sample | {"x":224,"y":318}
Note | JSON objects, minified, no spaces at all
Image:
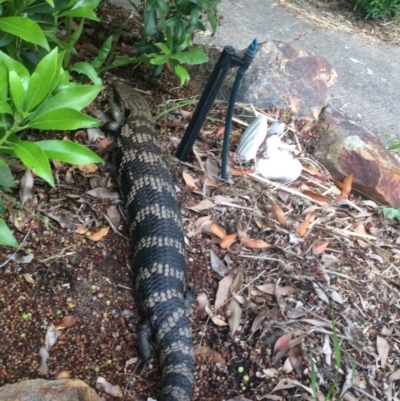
{"x":280,"y":76}
{"x":48,"y":390}
{"x":345,"y":147}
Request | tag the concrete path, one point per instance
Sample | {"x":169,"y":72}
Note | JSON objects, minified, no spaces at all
{"x":368,"y":89}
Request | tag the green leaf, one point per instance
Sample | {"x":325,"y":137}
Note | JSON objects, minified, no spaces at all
{"x":68,"y":152}
{"x":5,"y":108}
{"x":2,"y":207}
{"x":25,"y":29}
{"x":18,"y":68}
{"x":42,"y":80}
{"x":104,"y":51}
{"x":119,"y":61}
{"x":187,"y":42}
{"x":63,"y":119}
{"x":163,"y":48}
{"x":182,"y":73}
{"x":6,"y":178}
{"x":159,"y":59}
{"x":17,"y":91}
{"x":34,"y":158}
{"x":6,"y":237}
{"x":196,"y":56}
{"x":88,"y":70}
{"x":82,"y":12}
{"x":149,"y":24}
{"x":76,"y":97}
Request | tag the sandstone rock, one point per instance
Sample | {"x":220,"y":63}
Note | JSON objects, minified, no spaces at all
{"x":48,"y":390}
{"x":345,"y":147}
{"x":280,"y":76}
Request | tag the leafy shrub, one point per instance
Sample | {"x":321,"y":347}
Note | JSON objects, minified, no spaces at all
{"x":377,"y":9}
{"x":43,"y":100}
{"x":168,"y":30}
{"x":30,"y":29}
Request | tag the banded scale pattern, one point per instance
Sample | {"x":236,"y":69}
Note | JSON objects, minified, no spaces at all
{"x":155,"y":228}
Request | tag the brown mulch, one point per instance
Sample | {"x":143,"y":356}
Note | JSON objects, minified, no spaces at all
{"x":322,"y":260}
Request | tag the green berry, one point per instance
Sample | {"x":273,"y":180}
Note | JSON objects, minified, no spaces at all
{"x":97,"y":369}
{"x":58,"y":312}
{"x":120,"y":395}
{"x":23,"y":335}
{"x":109,"y":361}
{"x":108,"y":302}
{"x":71,"y":305}
{"x":93,"y":287}
{"x":246,"y":378}
{"x":240,"y":369}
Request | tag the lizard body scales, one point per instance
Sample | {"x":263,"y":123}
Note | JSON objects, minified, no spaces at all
{"x":155,"y":228}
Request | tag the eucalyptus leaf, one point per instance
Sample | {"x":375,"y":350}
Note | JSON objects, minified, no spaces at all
{"x":6,"y":236}
{"x":25,"y":29}
{"x":68,"y":152}
{"x":63,"y":119}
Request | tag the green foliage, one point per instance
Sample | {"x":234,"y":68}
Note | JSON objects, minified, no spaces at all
{"x":29,"y":29}
{"x":390,"y":213}
{"x":168,"y":30}
{"x":377,"y":9}
{"x":43,"y":100}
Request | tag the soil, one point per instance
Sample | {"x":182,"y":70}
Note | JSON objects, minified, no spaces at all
{"x":290,"y":287}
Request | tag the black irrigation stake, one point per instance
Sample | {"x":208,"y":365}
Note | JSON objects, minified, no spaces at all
{"x":228,"y":59}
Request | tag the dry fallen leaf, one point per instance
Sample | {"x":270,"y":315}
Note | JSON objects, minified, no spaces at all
{"x":66,"y":321}
{"x":320,"y":246}
{"x":81,"y":230}
{"x":278,"y":214}
{"x":208,"y":353}
{"x":114,"y":215}
{"x":203,"y":220}
{"x":110,"y":389}
{"x":189,"y":180}
{"x":217,"y":230}
{"x":203,"y":205}
{"x":25,"y":187}
{"x":267,"y":288}
{"x":383,"y":348}
{"x":296,"y":359}
{"x":216,"y":320}
{"x":218,"y":265}
{"x":237,"y":284}
{"x":255,"y":243}
{"x":223,"y":291}
{"x":99,"y":235}
{"x":28,"y":278}
{"x":316,"y":196}
{"x":302,"y":227}
{"x":103,"y":193}
{"x":202,"y":300}
{"x":87,"y":168}
{"x":282,"y":342}
{"x":283,"y":384}
{"x":235,"y":314}
{"x":63,"y":374}
{"x":228,"y":240}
